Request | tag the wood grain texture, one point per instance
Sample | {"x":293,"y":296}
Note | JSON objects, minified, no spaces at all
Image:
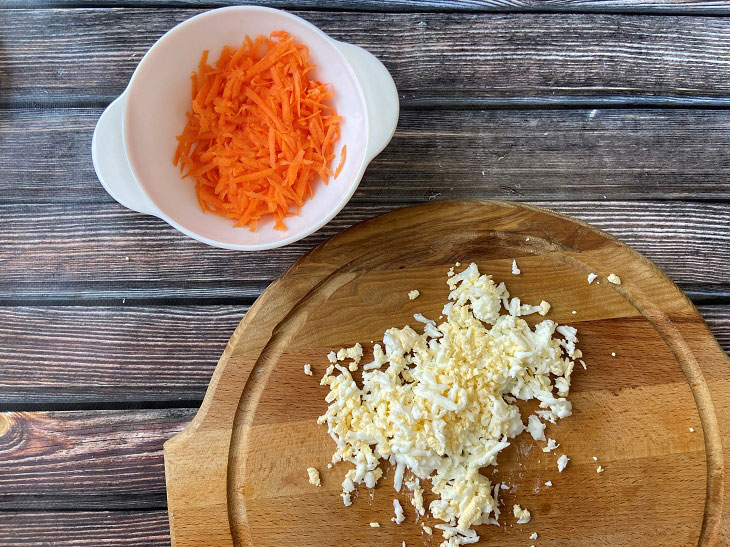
{"x":718,"y":319}
{"x":73,"y":354}
{"x":624,"y":6}
{"x":83,"y":355}
{"x":82,"y":529}
{"x":355,"y":286}
{"x":550,"y":155}
{"x":435,"y":58}
{"x":85,"y":459}
{"x":63,"y":252}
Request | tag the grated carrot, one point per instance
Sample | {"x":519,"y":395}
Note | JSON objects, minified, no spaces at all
{"x":258,"y":132}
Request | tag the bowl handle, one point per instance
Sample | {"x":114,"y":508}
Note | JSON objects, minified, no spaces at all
{"x":110,"y":160}
{"x":381,"y":96}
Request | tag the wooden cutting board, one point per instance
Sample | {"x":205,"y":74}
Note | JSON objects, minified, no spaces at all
{"x":237,"y":474}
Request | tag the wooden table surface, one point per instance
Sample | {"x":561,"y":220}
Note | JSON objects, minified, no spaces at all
{"x":616,"y":112}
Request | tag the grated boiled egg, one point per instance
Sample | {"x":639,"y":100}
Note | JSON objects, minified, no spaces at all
{"x":522,"y":515}
{"x":562,"y":462}
{"x":313,"y":476}
{"x":398,"y":510}
{"x":613,"y":278}
{"x":441,"y":403}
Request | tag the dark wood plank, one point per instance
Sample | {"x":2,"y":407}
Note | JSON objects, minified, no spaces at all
{"x":622,"y":6}
{"x":718,"y":319}
{"x":435,"y":58}
{"x":72,"y":354}
{"x":85,"y":459}
{"x":72,"y":529}
{"x":63,"y":252}
{"x":553,"y":155}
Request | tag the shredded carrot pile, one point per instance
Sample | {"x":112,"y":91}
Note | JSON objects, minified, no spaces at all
{"x":259,"y":131}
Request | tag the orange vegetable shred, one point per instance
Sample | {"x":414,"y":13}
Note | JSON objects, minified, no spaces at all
{"x":259,"y":131}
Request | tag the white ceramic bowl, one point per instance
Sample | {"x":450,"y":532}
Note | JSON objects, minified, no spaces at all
{"x":134,"y":140}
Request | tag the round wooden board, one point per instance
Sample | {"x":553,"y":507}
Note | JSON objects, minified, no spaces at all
{"x":237,"y":474}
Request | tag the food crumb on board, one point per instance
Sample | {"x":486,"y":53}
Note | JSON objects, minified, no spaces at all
{"x":544,"y":308}
{"x":591,"y":277}
{"x":595,"y":458}
{"x":599,"y":469}
{"x":548,"y":483}
{"x":398,"y":509}
{"x":574,"y":312}
{"x":533,"y":535}
{"x":562,"y":462}
{"x":126,"y":259}
{"x":613,"y":354}
{"x":427,"y":529}
{"x":515,"y":269}
{"x":613,"y":278}
{"x":412,"y":295}
{"x":313,"y":476}
{"x":691,"y":429}
{"x":308,"y":369}
{"x":374,"y":525}
{"x":329,"y":466}
{"x":551,"y":445}
{"x":522,"y":515}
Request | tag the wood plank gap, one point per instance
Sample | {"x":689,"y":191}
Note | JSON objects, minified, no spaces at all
{"x":431,"y":104}
{"x":712,"y":297}
{"x":63,"y":405}
{"x":566,"y":102}
{"x":709,"y":9}
{"x":76,"y":503}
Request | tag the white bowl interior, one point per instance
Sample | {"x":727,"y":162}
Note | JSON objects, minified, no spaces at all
{"x":159,"y":97}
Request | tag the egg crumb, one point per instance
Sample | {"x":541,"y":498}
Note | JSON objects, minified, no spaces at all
{"x":548,"y":483}
{"x":427,"y":529}
{"x":574,"y":312}
{"x":308,"y":370}
{"x":398,"y":509}
{"x":522,"y":515}
{"x":442,"y":403}
{"x":515,"y":269}
{"x":544,"y":308}
{"x":613,"y":354}
{"x":613,"y":278}
{"x":374,"y":525}
{"x":551,"y":445}
{"x":412,"y":295}
{"x":591,"y":277}
{"x":313,"y":476}
{"x":329,"y":466}
{"x":599,"y":469}
{"x":533,"y":535}
{"x":691,"y":429}
{"x":595,"y":458}
{"x":562,"y":462}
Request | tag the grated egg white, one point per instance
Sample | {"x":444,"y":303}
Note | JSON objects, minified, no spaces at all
{"x":441,"y":404}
